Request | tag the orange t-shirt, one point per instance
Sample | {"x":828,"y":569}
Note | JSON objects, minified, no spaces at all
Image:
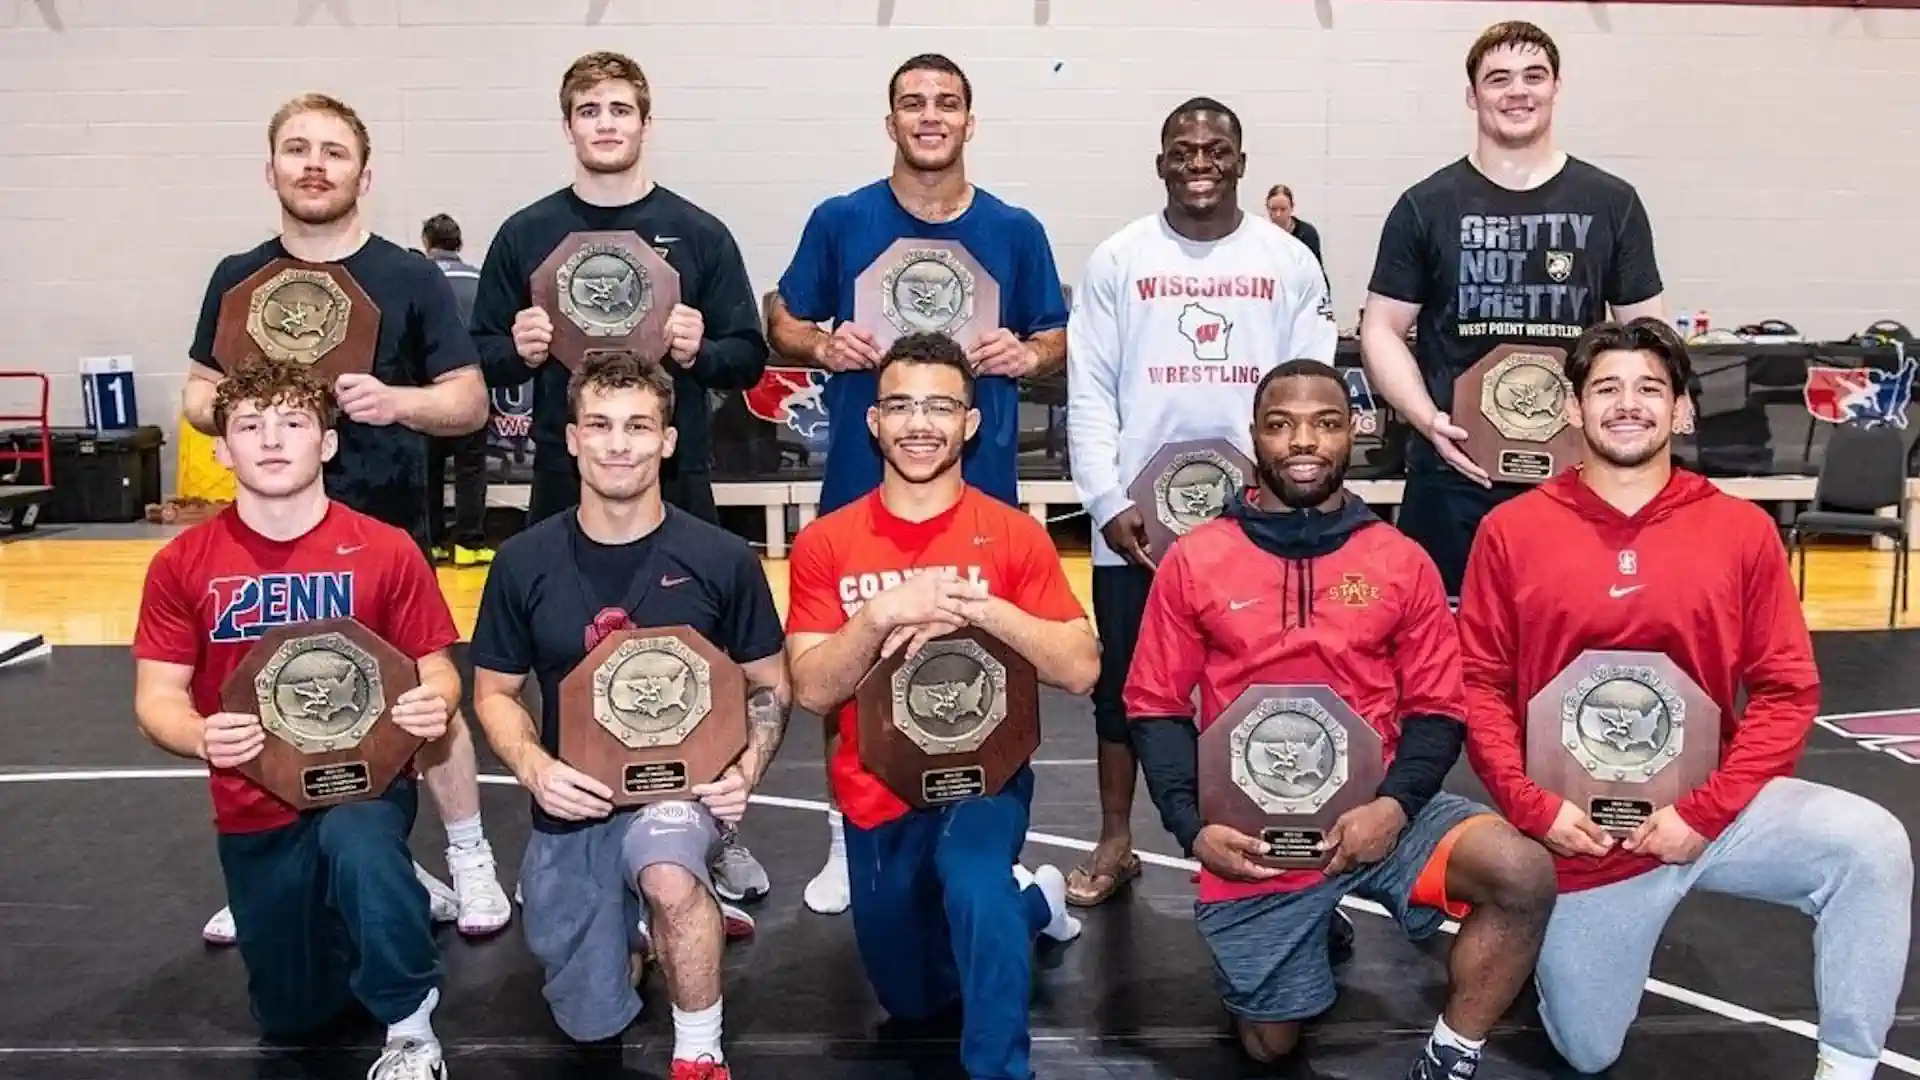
{"x":844,"y":559}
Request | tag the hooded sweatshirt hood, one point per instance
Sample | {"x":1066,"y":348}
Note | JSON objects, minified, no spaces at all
{"x":1300,"y":536}
{"x":1571,"y":490}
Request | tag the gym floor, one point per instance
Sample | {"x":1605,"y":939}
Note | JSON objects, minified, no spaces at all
{"x":109,"y":872}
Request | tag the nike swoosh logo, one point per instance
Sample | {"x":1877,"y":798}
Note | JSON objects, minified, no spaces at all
{"x":1238,"y":604}
{"x":670,"y":582}
{"x":1617,"y":592}
{"x":347,"y":549}
{"x":665,"y":239}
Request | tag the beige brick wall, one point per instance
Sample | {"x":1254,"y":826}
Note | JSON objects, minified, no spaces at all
{"x":1774,"y":146}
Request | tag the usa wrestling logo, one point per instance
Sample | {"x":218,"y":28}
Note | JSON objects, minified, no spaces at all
{"x":1864,"y":397}
{"x":1893,"y":732}
{"x":794,"y":398}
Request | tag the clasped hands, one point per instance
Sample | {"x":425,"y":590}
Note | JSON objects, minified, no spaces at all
{"x":229,"y":740}
{"x":1360,"y":837}
{"x":926,"y":606}
{"x":1665,"y":835}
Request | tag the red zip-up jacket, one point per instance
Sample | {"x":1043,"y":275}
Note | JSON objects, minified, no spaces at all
{"x":1697,"y":575}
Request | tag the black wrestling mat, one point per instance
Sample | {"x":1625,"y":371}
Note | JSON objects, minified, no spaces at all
{"x":107,"y":873}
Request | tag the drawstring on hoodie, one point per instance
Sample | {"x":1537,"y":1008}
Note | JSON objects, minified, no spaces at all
{"x":1297,"y":538}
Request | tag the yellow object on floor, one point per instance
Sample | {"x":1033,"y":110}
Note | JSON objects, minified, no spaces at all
{"x":196,"y":474}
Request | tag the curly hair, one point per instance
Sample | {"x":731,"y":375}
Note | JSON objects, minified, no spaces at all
{"x":266,"y":383}
{"x":607,"y":370}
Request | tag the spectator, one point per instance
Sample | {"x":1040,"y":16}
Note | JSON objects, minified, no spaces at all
{"x":440,"y":235}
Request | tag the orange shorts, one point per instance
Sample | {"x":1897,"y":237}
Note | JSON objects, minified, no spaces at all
{"x":1430,"y":888}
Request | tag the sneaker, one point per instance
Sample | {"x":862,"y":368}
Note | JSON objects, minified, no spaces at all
{"x":1053,"y":885}
{"x":1339,"y":937}
{"x":466,"y":556}
{"x":704,"y":1069}
{"x":482,"y":903}
{"x":737,"y":924}
{"x":737,"y":875}
{"x":409,"y":1059}
{"x":219,"y":929}
{"x":831,"y":890}
{"x":1444,"y":1063}
{"x":441,"y":903}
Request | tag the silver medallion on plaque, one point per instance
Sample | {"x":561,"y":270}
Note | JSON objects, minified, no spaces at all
{"x":604,"y":289}
{"x":1623,"y":723}
{"x":652,"y":691}
{"x":950,"y":697}
{"x":1194,"y":489}
{"x":320,"y":694}
{"x":1524,"y":397}
{"x":929,"y":290}
{"x":1289,"y":756}
{"x":298,"y":316}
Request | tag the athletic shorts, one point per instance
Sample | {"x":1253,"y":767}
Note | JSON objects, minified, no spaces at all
{"x":1270,"y":958}
{"x":581,"y":907}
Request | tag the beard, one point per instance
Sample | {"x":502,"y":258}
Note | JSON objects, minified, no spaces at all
{"x":1302,"y":496}
{"x":338,"y":204}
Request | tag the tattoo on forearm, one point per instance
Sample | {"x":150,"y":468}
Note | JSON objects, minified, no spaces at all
{"x":766,"y":724}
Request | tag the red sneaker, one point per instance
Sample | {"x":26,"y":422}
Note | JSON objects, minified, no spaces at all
{"x":699,"y":1070}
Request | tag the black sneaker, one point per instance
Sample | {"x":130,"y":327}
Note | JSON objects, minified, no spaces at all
{"x":1339,"y":937}
{"x":1444,"y":1063}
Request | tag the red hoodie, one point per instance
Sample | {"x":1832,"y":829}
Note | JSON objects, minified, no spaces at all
{"x":1697,"y":575}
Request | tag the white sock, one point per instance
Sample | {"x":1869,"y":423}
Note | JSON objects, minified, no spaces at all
{"x":1446,"y":1036}
{"x":837,"y":830}
{"x":830,"y":892}
{"x":419,"y":1026}
{"x":465,"y":835}
{"x":1836,"y":1065}
{"x":696,"y":1035}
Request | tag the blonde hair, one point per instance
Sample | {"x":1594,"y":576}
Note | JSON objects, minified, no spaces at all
{"x":320,"y":103}
{"x":597,"y":67}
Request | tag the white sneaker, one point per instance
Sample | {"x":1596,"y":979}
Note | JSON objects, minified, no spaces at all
{"x":409,"y":1059}
{"x":441,"y":902}
{"x":831,"y":891}
{"x":481,"y":902}
{"x":1053,"y":885}
{"x":737,"y":875}
{"x":219,"y":929}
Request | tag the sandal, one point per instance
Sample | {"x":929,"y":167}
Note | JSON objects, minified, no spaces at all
{"x":1086,"y":888}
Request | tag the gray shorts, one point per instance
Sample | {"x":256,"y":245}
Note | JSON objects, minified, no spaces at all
{"x":1270,"y":957}
{"x":581,"y":907}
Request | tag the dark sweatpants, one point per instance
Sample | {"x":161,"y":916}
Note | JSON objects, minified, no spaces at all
{"x":1119,"y":603}
{"x":329,"y":912}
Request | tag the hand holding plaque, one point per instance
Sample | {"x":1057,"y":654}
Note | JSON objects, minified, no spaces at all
{"x":312,"y":314}
{"x":653,"y":713}
{"x":1513,"y":406}
{"x":324,"y":692}
{"x":606,"y":290}
{"x":1620,"y":735}
{"x":926,"y":286}
{"x":1282,"y":764}
{"x":1186,"y":485}
{"x":956,"y":720}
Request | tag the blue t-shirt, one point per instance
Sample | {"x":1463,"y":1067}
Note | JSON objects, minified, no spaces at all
{"x":842,"y":238}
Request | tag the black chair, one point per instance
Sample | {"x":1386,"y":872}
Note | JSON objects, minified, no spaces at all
{"x":1864,"y":471}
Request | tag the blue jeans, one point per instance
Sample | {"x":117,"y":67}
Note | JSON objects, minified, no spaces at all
{"x":938,"y":918}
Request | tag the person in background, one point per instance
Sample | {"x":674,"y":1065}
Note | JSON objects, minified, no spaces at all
{"x":440,"y":237}
{"x":1280,"y":212}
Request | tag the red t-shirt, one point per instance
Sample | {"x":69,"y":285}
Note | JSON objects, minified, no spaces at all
{"x":846,"y":558}
{"x":214,"y":589}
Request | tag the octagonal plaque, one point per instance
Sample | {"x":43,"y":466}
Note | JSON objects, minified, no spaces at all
{"x":606,"y":290}
{"x":1513,"y":406}
{"x":926,"y":286}
{"x":956,"y":721}
{"x":1282,"y":763}
{"x":1186,"y":485}
{"x":652,"y":713}
{"x":312,"y":314}
{"x":1621,"y":734}
{"x":323,"y":690}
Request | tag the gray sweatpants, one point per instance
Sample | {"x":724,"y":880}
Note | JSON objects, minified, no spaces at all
{"x":1824,"y":852}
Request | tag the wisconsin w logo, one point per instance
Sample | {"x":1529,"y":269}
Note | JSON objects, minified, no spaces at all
{"x":1894,"y":732}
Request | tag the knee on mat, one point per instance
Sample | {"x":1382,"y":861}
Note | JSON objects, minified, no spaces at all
{"x":1587,"y":1051}
{"x":671,"y":890}
{"x":1267,"y":1043}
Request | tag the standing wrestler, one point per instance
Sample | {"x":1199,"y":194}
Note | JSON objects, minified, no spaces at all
{"x":1629,"y":552}
{"x":623,"y":558}
{"x":714,"y":336}
{"x":1325,"y":594}
{"x":425,"y":385}
{"x":927,"y":196}
{"x":328,"y":906}
{"x":1517,"y":243}
{"x":1179,"y":315}
{"x":942,"y":910}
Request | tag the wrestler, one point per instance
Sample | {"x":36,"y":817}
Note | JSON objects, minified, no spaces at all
{"x":623,"y":558}
{"x":1517,"y":243}
{"x":942,"y":910}
{"x":425,"y":385}
{"x":1629,"y":552}
{"x":328,"y":907}
{"x":1324,"y":593}
{"x":930,"y":120}
{"x":1234,"y":295}
{"x":715,"y":340}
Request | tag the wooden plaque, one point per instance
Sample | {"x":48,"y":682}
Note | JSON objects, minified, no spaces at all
{"x":313,"y":314}
{"x":955,"y":722}
{"x":1282,"y":763}
{"x":1621,"y":734}
{"x":653,"y":713}
{"x":606,"y":290}
{"x":926,"y":286}
{"x":1513,"y":406}
{"x":1186,"y":485}
{"x":323,"y":690}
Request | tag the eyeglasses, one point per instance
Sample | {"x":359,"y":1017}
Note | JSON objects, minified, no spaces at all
{"x":936,"y":408}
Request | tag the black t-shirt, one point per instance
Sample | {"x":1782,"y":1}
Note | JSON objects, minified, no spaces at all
{"x":713,"y":281}
{"x":552,"y":594}
{"x":1491,"y":266}
{"x":379,"y":471}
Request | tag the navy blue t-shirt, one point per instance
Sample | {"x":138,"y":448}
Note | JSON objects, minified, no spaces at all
{"x":843,"y":236}
{"x":552,"y":594}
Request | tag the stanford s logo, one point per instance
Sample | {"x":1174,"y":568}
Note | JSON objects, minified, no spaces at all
{"x":1893,"y":732}
{"x":244,"y":608}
